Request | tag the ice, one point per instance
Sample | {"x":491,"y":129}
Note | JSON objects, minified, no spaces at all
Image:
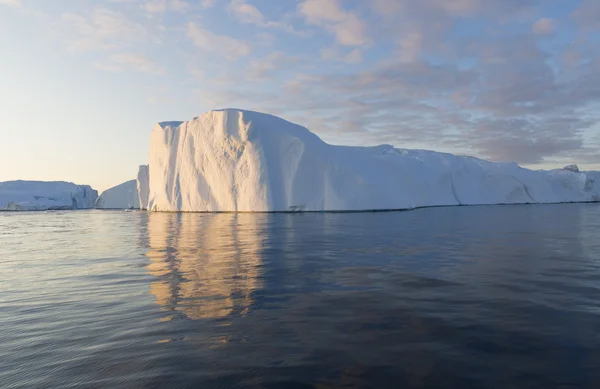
{"x":234,"y":160}
{"x":122,"y":196}
{"x":595,"y":175}
{"x":143,"y":186}
{"x":132,"y":194}
{"x":42,"y":195}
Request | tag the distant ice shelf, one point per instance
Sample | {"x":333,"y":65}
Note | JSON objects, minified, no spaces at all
{"x":45,"y":195}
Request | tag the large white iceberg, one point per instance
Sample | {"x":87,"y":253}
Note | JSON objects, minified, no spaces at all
{"x":43,"y":195}
{"x":234,"y":160}
{"x":122,"y":196}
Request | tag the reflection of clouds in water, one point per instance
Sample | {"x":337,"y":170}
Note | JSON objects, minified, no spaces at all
{"x":207,"y":265}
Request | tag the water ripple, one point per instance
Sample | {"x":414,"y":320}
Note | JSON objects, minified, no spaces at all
{"x":478,"y":297}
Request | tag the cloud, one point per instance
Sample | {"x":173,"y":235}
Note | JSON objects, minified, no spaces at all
{"x":155,"y":6}
{"x":208,"y":3}
{"x":130,"y":61}
{"x":347,"y":26}
{"x":269,"y":67}
{"x":464,"y":76}
{"x":249,"y":14}
{"x":162,"y":6}
{"x":102,"y":29}
{"x":338,"y":54}
{"x":484,"y":86}
{"x":355,"y":56}
{"x":513,"y":106}
{"x":223,"y":45}
{"x":410,"y":46}
{"x":544,"y":26}
{"x":586,"y":15}
{"x":11,"y":3}
{"x":246,"y":13}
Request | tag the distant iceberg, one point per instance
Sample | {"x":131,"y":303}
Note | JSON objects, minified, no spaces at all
{"x":124,"y":196}
{"x":234,"y":160}
{"x":42,"y":195}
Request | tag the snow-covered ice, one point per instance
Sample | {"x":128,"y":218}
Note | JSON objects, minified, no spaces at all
{"x":122,"y":196}
{"x":594,"y":174}
{"x":42,"y":195}
{"x":143,"y":186}
{"x":234,"y":160}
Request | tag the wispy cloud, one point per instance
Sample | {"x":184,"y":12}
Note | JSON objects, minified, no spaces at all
{"x":269,"y":67}
{"x":544,"y":26}
{"x":208,"y":3}
{"x":340,"y":54}
{"x":223,"y":45}
{"x":162,"y":6}
{"x":346,"y":25}
{"x":131,"y":62}
{"x":11,"y":3}
{"x":512,"y":107}
{"x":586,"y":16}
{"x":249,"y":14}
{"x":246,"y":13}
{"x":102,"y":29}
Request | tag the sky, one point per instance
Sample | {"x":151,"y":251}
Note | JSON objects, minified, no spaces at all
{"x":83,"y":82}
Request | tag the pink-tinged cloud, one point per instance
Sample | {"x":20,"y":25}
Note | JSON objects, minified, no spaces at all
{"x":345,"y":25}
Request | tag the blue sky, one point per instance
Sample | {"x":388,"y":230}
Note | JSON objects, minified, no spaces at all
{"x":83,"y":82}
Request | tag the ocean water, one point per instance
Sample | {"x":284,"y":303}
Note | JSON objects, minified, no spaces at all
{"x":457,"y":297}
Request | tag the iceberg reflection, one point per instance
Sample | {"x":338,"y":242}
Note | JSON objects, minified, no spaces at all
{"x":207,"y":265}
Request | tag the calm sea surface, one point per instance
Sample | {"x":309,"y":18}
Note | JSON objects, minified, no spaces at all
{"x":463,"y":297}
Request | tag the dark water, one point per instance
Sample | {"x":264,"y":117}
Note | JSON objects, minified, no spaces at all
{"x":464,"y":297}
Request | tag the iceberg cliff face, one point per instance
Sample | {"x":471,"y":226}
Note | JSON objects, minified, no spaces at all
{"x":143,"y":186}
{"x":122,"y":196}
{"x":41,"y":195}
{"x":233,"y":160}
{"x":594,"y":175}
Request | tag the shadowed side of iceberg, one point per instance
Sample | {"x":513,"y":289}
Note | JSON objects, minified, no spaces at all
{"x":123,"y":196}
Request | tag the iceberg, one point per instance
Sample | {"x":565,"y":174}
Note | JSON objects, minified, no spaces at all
{"x":594,"y":175}
{"x":124,"y":196}
{"x":43,"y":195}
{"x":243,"y":161}
{"x":143,"y":187}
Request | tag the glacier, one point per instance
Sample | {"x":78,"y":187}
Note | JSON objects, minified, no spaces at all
{"x":123,"y":196}
{"x":242,"y":161}
{"x":45,"y":195}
